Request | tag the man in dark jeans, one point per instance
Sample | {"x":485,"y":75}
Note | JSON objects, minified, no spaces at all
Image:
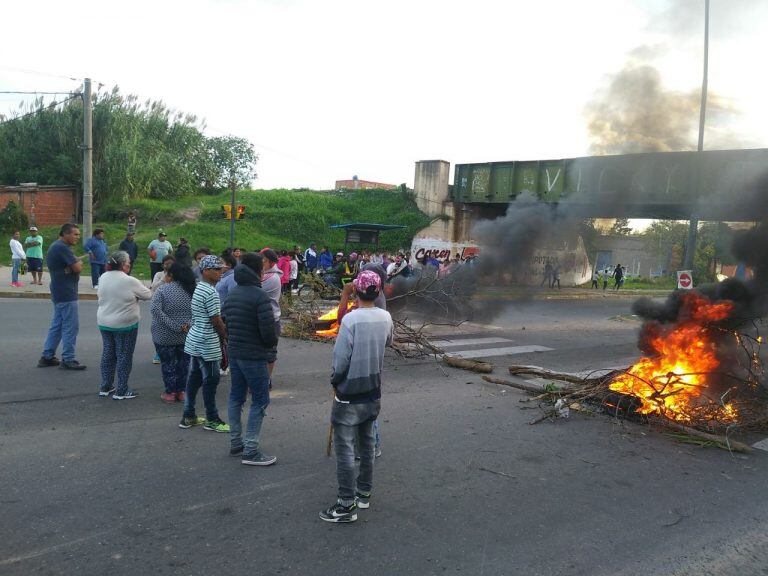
{"x":96,"y":248}
{"x":65,"y":269}
{"x":252,"y":338}
{"x":358,"y":359}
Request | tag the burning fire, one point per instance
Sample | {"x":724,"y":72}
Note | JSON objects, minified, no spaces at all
{"x":673,"y":381}
{"x":330,"y":319}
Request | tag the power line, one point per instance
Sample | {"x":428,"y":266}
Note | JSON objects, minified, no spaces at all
{"x":48,"y":107}
{"x":35,"y":72}
{"x":21,"y":92}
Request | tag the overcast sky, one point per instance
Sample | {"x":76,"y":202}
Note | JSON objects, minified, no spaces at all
{"x":326,"y":89}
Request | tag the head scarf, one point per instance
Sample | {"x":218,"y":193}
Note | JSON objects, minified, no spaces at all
{"x":211,"y":262}
{"x":365,"y":279}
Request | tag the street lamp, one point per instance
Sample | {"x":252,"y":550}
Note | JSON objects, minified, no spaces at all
{"x":232,"y":213}
{"x":690,"y":249}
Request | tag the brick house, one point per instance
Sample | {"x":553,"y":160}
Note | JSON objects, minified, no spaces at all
{"x":44,"y":205}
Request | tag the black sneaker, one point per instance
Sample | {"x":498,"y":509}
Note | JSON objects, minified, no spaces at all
{"x":258,"y":459}
{"x":47,"y":362}
{"x":363,"y":500}
{"x":236,"y":450}
{"x":339,"y":513}
{"x":71,"y":365}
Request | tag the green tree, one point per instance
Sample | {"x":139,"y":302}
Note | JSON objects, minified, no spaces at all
{"x":621,"y":227}
{"x":140,"y":149}
{"x":230,"y":158}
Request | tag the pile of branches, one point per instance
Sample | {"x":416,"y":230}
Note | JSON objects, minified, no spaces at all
{"x":584,"y":393}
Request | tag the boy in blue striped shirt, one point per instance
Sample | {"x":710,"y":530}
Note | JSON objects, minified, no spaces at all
{"x":203,"y":344}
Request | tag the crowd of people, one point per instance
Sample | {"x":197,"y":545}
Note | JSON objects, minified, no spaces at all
{"x":211,"y":313}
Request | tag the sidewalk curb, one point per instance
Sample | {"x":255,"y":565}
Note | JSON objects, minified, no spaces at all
{"x":42,"y":295}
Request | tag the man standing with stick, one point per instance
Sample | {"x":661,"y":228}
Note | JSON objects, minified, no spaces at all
{"x":358,"y":359}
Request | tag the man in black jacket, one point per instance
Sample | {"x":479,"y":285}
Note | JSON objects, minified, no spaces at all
{"x":252,"y":345}
{"x":128,"y":245}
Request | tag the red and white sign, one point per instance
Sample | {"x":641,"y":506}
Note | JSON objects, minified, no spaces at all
{"x":685,"y":279}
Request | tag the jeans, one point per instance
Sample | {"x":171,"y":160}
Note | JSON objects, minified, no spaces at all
{"x":96,"y":271}
{"x":206,"y":374}
{"x":154,"y":268}
{"x":15,"y":270}
{"x":117,"y":355}
{"x":247,"y":376}
{"x":64,"y":327}
{"x":344,"y":444}
{"x":174,"y":364}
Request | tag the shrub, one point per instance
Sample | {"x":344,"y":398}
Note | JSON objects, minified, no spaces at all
{"x":12,"y":218}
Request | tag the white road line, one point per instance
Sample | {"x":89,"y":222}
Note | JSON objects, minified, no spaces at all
{"x":499,"y":351}
{"x":761,"y":445}
{"x":469,"y":342}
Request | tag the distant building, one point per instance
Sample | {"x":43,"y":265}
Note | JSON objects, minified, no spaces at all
{"x":632,"y":253}
{"x":357,"y":184}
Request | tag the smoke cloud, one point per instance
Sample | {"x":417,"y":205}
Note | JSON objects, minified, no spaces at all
{"x":635,"y":114}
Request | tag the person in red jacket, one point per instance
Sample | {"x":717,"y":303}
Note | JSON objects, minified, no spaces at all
{"x":284,"y":263}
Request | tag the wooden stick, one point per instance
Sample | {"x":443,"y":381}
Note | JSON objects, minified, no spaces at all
{"x":562,"y":376}
{"x":721,"y":441}
{"x":467,"y":364}
{"x":330,"y":426}
{"x":527,"y":387}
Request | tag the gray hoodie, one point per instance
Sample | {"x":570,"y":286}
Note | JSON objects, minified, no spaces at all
{"x":270,"y":283}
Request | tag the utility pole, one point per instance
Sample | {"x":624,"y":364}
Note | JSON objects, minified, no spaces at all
{"x":232,"y":213}
{"x":87,"y":160}
{"x":690,"y":249}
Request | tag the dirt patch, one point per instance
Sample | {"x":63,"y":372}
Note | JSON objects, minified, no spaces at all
{"x":191,"y":213}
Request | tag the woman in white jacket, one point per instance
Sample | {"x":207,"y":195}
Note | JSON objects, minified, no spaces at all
{"x":118,"y":320}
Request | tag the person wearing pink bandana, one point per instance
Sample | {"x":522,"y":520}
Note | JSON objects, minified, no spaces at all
{"x":358,"y":360}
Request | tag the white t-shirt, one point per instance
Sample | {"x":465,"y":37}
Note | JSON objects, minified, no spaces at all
{"x":294,"y":270}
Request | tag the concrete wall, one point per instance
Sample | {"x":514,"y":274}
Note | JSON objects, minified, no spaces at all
{"x":44,"y":205}
{"x":629,"y":251}
{"x":430,"y":185}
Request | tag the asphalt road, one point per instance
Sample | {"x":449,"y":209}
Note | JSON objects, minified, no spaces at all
{"x":465,"y":485}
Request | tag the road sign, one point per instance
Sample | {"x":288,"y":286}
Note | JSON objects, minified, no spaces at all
{"x":685,"y":279}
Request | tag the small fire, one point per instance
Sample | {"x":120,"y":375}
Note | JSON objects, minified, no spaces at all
{"x":673,"y":381}
{"x":330,"y":319}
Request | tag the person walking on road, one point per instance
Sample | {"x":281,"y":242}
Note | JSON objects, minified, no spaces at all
{"x":595,"y":279}
{"x":358,"y":359}
{"x":618,"y":277}
{"x":34,"y":247}
{"x":171,"y":318}
{"x":96,"y":248}
{"x":547,"y":279}
{"x":17,"y":258}
{"x":129,"y":245}
{"x":118,"y":320}
{"x":252,"y":339}
{"x":158,"y":249}
{"x":204,"y":343}
{"x":65,"y":269}
{"x":605,"y":274}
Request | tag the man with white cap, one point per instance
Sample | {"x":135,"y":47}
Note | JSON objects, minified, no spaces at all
{"x":34,"y":250}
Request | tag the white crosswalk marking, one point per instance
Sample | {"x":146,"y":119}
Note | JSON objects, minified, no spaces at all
{"x":499,"y":351}
{"x":470,"y":342}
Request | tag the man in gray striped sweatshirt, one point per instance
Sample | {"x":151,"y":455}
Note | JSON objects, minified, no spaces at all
{"x":358,"y":358}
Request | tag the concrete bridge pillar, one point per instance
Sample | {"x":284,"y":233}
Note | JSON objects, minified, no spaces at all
{"x":430,"y":186}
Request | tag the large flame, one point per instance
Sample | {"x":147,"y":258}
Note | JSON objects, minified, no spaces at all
{"x":330,"y":318}
{"x":673,"y":380}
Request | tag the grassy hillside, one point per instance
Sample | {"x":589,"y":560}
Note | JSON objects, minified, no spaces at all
{"x":276,"y":218}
